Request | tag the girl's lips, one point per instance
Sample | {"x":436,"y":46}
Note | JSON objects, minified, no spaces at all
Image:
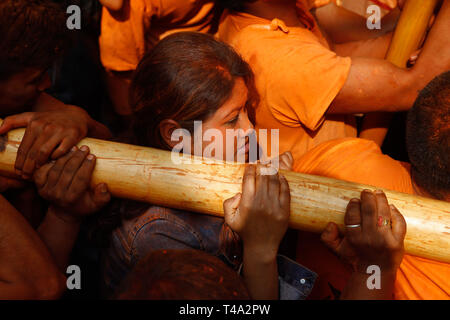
{"x":244,"y":149}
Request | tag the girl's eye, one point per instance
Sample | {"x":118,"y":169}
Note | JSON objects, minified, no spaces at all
{"x":234,"y":120}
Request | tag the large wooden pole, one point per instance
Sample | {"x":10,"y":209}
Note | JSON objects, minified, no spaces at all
{"x":150,"y":175}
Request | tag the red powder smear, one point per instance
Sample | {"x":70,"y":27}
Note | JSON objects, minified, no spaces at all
{"x":164,"y":251}
{"x":221,"y":280}
{"x":235,"y":293}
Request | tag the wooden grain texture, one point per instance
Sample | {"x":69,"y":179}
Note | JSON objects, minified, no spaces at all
{"x":410,"y":30}
{"x":149,"y":175}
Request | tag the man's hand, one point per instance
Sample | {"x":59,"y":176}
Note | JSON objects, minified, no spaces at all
{"x":366,"y":242}
{"x":261,"y":214}
{"x":66,"y":184}
{"x":49,"y":134}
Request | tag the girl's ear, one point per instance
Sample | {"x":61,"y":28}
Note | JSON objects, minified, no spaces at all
{"x":166,"y":128}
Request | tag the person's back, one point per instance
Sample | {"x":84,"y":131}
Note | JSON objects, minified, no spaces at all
{"x":361,"y":161}
{"x":310,"y":89}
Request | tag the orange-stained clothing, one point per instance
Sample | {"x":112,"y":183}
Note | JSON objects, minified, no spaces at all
{"x":361,"y":161}
{"x":127,"y":34}
{"x":296,"y":75}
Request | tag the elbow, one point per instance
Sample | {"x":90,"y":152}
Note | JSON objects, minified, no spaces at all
{"x":409,"y":87}
{"x":51,"y":287}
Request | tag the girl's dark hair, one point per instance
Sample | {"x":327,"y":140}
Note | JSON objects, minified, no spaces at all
{"x":185,"y":77}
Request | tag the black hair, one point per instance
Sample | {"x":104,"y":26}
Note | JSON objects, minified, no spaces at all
{"x":428,"y":137}
{"x":33,"y":34}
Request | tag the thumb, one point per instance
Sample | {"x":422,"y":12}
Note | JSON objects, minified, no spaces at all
{"x":330,"y":237}
{"x":230,"y":206}
{"x":16,"y":121}
{"x":100,"y":196}
{"x":99,"y":131}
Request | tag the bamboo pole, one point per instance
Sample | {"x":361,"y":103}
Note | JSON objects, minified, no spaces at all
{"x":149,"y":175}
{"x":408,"y":35}
{"x":410,"y":30}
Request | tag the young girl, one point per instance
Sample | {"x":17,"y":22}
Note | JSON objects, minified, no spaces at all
{"x":191,"y":77}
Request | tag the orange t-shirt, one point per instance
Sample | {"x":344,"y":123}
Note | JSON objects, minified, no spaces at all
{"x":128,"y":33}
{"x":361,"y":161}
{"x":296,"y":75}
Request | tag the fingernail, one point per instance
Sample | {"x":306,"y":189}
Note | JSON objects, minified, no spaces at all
{"x":354,"y":200}
{"x":392,"y":207}
{"x":103,"y":188}
{"x":18,"y":172}
{"x":379,"y":191}
{"x":84,"y":148}
{"x":90,"y":157}
{"x":74,"y":148}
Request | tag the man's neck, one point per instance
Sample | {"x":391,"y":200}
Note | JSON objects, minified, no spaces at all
{"x":418,"y":190}
{"x":282,"y":9}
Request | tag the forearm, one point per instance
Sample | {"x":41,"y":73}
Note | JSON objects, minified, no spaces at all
{"x":370,"y":48}
{"x":375,"y":85}
{"x":59,"y":234}
{"x":27,"y":269}
{"x":260,"y":275}
{"x":435,"y":56}
{"x":95,"y":129}
{"x":357,"y":287}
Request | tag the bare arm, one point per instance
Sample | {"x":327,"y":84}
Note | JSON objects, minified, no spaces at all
{"x":112,"y":4}
{"x":377,"y":85}
{"x":27,"y":270}
{"x":66,"y":183}
{"x":260,"y":216}
{"x":370,"y":48}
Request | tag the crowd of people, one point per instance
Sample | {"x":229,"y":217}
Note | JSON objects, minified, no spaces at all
{"x":140,"y":69}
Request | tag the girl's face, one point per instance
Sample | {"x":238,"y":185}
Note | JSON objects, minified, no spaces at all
{"x":232,"y":121}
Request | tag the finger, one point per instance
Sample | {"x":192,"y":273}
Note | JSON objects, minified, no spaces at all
{"x":57,"y":169}
{"x":261,"y":181}
{"x":352,"y":219}
{"x":274,"y":186}
{"x":66,"y":144}
{"x":230,"y":207}
{"x":368,"y":211}
{"x":46,"y":147}
{"x":288,"y":160}
{"x":285,"y":194}
{"x":16,"y":121}
{"x":71,"y":168}
{"x":82,"y":177}
{"x":40,"y":176}
{"x":399,"y":226}
{"x":383,"y":210}
{"x":99,"y":131}
{"x":248,"y":182}
{"x":41,"y":149}
{"x":330,"y":237}
{"x":101,"y":196}
{"x":31,"y":134}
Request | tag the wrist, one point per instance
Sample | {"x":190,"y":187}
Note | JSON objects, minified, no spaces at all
{"x":64,"y":216}
{"x":260,"y":254}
